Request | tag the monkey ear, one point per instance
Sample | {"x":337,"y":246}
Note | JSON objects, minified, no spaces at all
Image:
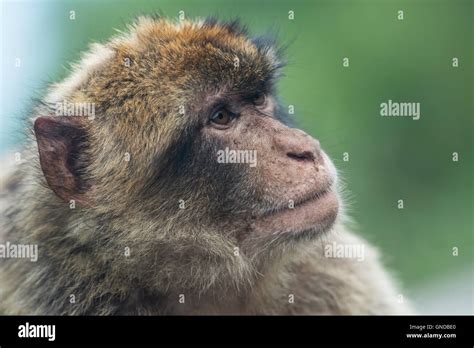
{"x":61,"y":141}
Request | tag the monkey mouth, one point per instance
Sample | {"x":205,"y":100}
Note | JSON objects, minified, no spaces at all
{"x":317,"y":213}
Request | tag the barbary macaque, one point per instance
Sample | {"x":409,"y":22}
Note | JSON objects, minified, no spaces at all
{"x":185,"y":191}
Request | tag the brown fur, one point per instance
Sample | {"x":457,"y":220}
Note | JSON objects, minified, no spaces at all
{"x":135,"y":204}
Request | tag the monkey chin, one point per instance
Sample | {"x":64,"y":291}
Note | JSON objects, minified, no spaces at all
{"x":309,"y":218}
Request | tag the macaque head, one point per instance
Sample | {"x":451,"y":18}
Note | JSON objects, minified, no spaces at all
{"x":189,"y":157}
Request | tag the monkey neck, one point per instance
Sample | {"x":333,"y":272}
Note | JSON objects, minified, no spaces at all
{"x":267,"y":293}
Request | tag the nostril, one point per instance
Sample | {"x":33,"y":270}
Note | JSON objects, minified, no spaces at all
{"x":301,"y":156}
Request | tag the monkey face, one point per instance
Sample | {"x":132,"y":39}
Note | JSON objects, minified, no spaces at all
{"x":189,"y":147}
{"x":279,"y":177}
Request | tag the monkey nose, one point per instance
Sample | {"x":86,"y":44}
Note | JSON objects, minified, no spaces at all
{"x":298,"y":146}
{"x":301,"y":156}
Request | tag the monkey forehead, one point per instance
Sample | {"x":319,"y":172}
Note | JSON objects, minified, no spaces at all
{"x":158,"y":66}
{"x":197,"y":53}
{"x":161,"y":57}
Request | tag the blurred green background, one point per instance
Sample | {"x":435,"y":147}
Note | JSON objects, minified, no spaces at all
{"x":407,"y":60}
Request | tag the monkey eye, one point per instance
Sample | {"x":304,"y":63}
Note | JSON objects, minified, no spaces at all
{"x":259,"y":99}
{"x":222,"y":118}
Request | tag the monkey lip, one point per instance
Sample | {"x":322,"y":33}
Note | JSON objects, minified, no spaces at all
{"x":316,"y":213}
